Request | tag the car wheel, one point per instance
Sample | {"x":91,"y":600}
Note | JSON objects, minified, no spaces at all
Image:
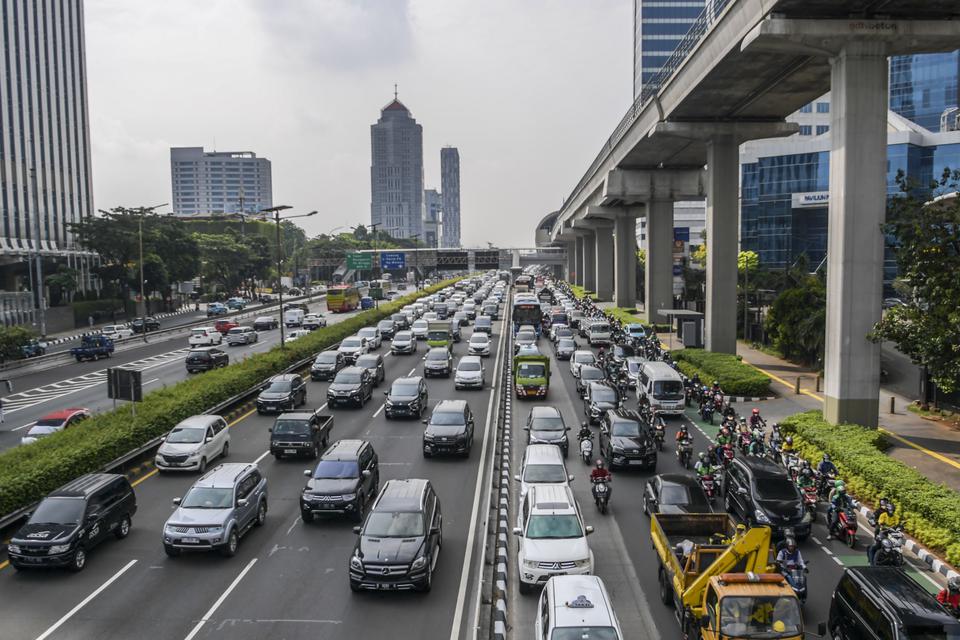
{"x":261,"y":513}
{"x":171,"y":552}
{"x":354,"y":587}
{"x":79,"y":560}
{"x":123,"y":529}
{"x":428,"y":583}
{"x":230,"y":548}
{"x":226,"y":450}
{"x":203,"y":466}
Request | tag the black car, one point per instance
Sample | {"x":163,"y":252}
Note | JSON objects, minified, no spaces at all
{"x":438,"y":362}
{"x":372,"y":362}
{"x":885,"y":602}
{"x":345,"y":479}
{"x":442,"y":309}
{"x":449,"y":429}
{"x":564,"y":348}
{"x":286,"y":391}
{"x":72,"y":520}
{"x":626,"y":440}
{"x":588,"y":374}
{"x":674,"y":493}
{"x":401,"y":321}
{"x":406,"y":397}
{"x":326,"y":365}
{"x":300,"y":433}
{"x":387,"y":329}
{"x":152,"y":324}
{"x":620,"y":353}
{"x":492,"y":310}
{"x":545,"y":426}
{"x":599,"y":398}
{"x":353,"y":385}
{"x":265,"y":324}
{"x":399,"y":544}
{"x":205,"y":359}
{"x":760,"y":492}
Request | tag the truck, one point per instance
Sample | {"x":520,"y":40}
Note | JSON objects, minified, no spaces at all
{"x":439,"y":334}
{"x":293,"y":317}
{"x":300,"y":433}
{"x":720,"y":579}
{"x":531,"y":375}
{"x":93,"y":347}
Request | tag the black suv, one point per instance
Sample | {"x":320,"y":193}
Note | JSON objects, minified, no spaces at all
{"x":626,"y":440}
{"x":372,"y":362}
{"x":600,"y":397}
{"x":449,"y":429}
{"x":884,"y":602}
{"x":205,"y":359}
{"x":438,"y":362}
{"x":545,"y":426}
{"x":483,"y":324}
{"x":353,"y":385}
{"x":326,"y":365}
{"x":73,"y":519}
{"x":152,"y":324}
{"x":347,"y":476}
{"x":406,"y":397}
{"x":286,"y":391}
{"x":399,"y":544}
{"x":300,"y":433}
{"x":760,"y":492}
{"x":387,"y":329}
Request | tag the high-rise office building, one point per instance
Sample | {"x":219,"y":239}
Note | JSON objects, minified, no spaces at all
{"x":658,"y":27}
{"x":211,"y":182}
{"x":450,"y":188}
{"x":433,"y":204}
{"x":45,"y":181}
{"x":924,"y":86}
{"x":396,"y":172}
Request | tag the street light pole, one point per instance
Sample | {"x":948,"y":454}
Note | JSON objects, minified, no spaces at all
{"x":38,"y":283}
{"x":376,"y":259}
{"x":416,"y":258}
{"x":275,"y":212}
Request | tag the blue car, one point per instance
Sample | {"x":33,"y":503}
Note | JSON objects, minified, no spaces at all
{"x":217,"y":309}
{"x":366,"y":302}
{"x":33,"y":348}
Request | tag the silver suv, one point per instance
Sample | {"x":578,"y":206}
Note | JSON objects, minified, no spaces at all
{"x":218,"y":509}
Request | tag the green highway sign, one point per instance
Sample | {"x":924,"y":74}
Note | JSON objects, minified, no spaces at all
{"x":359,"y":261}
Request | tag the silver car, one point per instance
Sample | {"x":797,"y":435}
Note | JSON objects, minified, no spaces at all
{"x":193,"y":443}
{"x":403,"y":342}
{"x":580,"y":358}
{"x":217,"y":510}
{"x":479,"y":345}
{"x":469,"y":373}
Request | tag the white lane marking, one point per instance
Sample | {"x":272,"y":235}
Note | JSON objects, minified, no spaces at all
{"x":216,"y":605}
{"x":377,"y":412}
{"x":323,"y":406}
{"x":85,"y":601}
{"x":296,"y":520}
{"x":24,"y":426}
{"x":151,"y":381}
{"x":262,"y":456}
{"x":412,"y":371}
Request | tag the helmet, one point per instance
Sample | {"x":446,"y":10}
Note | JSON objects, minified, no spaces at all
{"x":599,"y":464}
{"x":716,"y":383}
{"x":790,"y":440}
{"x":702,"y":456}
{"x":791,"y":544}
{"x":890,"y":508}
{"x":826,"y":458}
{"x":953,"y":584}
{"x":839,"y":485}
{"x":806,"y":472}
{"x":756,"y":411}
{"x":711,"y":449}
{"x":683,"y":428}
{"x":841,"y":490}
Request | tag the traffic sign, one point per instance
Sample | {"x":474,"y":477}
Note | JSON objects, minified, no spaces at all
{"x":392,"y":260}
{"x":359,"y":261}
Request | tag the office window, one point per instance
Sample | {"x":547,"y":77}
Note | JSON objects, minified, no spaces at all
{"x":807,"y":108}
{"x":823,"y":107}
{"x":822,"y":129}
{"x":805,"y":130}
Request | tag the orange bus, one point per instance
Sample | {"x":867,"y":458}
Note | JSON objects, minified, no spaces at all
{"x":342,"y":298}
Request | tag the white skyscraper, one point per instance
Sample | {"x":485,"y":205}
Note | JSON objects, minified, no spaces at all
{"x":210,"y":182}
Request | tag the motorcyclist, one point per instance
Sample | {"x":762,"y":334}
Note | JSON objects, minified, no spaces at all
{"x":723,"y":437}
{"x":602,"y":356}
{"x":683,"y":434}
{"x":600,"y":473}
{"x":887,"y":519}
{"x":715,"y":389}
{"x":756,"y":443}
{"x":787,"y":447}
{"x":703,"y":465}
{"x":839,"y":502}
{"x":950,"y":597}
{"x":584,"y":432}
{"x":826,"y":466}
{"x":755,"y":419}
{"x":805,"y":479}
{"x":789,"y":556}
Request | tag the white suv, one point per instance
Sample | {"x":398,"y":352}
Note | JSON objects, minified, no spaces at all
{"x":242,"y":335}
{"x":542,"y":464}
{"x":579,"y":358}
{"x":552,"y":539}
{"x":193,"y":443}
{"x":576,"y":607}
{"x":204,"y":337}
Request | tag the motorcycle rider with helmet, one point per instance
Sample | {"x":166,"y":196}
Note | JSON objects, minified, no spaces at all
{"x":950,"y":597}
{"x":601,"y":474}
{"x":703,"y":465}
{"x":790,"y":556}
{"x":838,"y":502}
{"x":826,"y":466}
{"x":755,"y":419}
{"x":805,"y":479}
{"x":888,"y":519}
{"x":584,"y":432}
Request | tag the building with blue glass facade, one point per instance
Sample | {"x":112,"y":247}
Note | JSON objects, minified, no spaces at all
{"x":658,"y":26}
{"x":923,"y":87}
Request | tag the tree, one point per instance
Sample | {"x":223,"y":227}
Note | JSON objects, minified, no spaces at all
{"x":926,"y":243}
{"x":746,"y":261}
{"x":62,"y":284}
{"x":225,"y":260}
{"x":11,"y":339}
{"x":797,"y":320}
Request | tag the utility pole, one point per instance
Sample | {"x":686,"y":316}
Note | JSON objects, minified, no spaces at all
{"x":746,"y":304}
{"x":143,"y":293}
{"x":416,"y":257}
{"x":39,"y":296}
{"x":275,"y":212}
{"x":375,"y":271}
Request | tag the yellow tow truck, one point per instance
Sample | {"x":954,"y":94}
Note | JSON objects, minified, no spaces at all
{"x":721,"y":580}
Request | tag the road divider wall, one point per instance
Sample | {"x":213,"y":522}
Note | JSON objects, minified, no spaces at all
{"x":736,"y":378}
{"x":28,"y":473}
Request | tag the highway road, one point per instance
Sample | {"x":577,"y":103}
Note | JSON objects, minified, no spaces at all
{"x":288,"y":580}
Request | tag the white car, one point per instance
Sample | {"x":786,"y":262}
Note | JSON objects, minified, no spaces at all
{"x":579,"y":358}
{"x":479,"y":345}
{"x":551,"y":538}
{"x":193,"y":444}
{"x":352,"y":347}
{"x":469,"y":373}
{"x":576,"y":607}
{"x":293,"y":334}
{"x":117,"y":331}
{"x":242,"y":335}
{"x":204,"y":337}
{"x":419,"y":329}
{"x":313,"y":321}
{"x":542,"y":464}
{"x":372,"y":336}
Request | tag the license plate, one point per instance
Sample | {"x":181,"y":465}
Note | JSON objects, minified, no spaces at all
{"x":327,"y":505}
{"x":636,"y":462}
{"x":289,"y":451}
{"x":190,"y":540}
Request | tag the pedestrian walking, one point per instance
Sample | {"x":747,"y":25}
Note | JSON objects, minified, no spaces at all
{"x":1,"y":411}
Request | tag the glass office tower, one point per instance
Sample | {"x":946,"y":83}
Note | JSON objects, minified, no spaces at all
{"x":923,"y":86}
{"x":658,"y":26}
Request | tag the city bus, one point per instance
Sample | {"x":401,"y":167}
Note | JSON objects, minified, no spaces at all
{"x":342,"y":298}
{"x":526,"y":310}
{"x":379,"y":288}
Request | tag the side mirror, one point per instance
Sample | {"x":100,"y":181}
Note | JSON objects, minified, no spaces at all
{"x":308,"y":473}
{"x":176,"y":501}
{"x":242,"y":502}
{"x":425,"y":421}
{"x":434,"y":531}
{"x":163,"y":438}
{"x":386,"y":393}
{"x":270,"y":429}
{"x":588,"y":529}
{"x":365,"y":473}
{"x":570,"y":478}
{"x":528,"y":429}
{"x":208,"y":439}
{"x":357,"y":530}
{"x":516,"y":478}
{"x":517,"y":531}
{"x":742,"y":491}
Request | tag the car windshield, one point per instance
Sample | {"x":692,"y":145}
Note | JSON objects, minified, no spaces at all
{"x":776,"y":489}
{"x":208,"y":498}
{"x":668,"y":390}
{"x":403,"y":336}
{"x":604,"y":394}
{"x":566,"y":343}
{"x":584,"y":358}
{"x":420,"y":324}
{"x":186,"y":435}
{"x":347,"y":377}
{"x":554,"y":423}
{"x":336,"y":469}
{"x":526,"y":336}
{"x":58,"y":511}
{"x":468,"y":366}
{"x":279,"y":386}
{"x":446,"y":418}
{"x":351,"y":342}
{"x":674,"y":494}
{"x":626,"y":429}
{"x":760,"y":617}
{"x":367,"y":362}
{"x":395,"y":524}
{"x":553,"y":527}
{"x":633,"y":366}
{"x":200,"y":332}
{"x":479,"y":338}
{"x":291,"y":427}
{"x":327,"y":357}
{"x":584,"y":633}
{"x":437,"y":355}
{"x":622,"y":351}
{"x":544,"y":473}
{"x":932,"y":631}
{"x":386,"y":324}
{"x":405,"y":389}
{"x":202,"y":355}
{"x":599,"y":327}
{"x":483,"y":322}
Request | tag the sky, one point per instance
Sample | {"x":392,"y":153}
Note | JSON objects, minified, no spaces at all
{"x":528,"y":90}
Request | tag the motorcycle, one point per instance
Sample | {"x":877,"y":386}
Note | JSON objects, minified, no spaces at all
{"x":809,"y":495}
{"x":586,"y":450}
{"x":845,"y":527}
{"x":743,"y":442}
{"x":684,"y":452}
{"x":797,"y":579}
{"x":709,"y":485}
{"x":706,"y":412}
{"x":727,"y":454}
{"x":890,"y":553}
{"x":825,"y":482}
{"x":792,"y":463}
{"x":659,"y":434}
{"x":601,"y":494}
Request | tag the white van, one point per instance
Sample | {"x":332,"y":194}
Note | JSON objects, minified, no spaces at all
{"x":293,"y":317}
{"x":576,"y":607}
{"x":662,"y":387}
{"x":598,"y":333}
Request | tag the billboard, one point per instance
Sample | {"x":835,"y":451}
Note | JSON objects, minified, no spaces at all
{"x":452,"y":261}
{"x":393,"y":260}
{"x":359,"y":261}
{"x":487,"y":259}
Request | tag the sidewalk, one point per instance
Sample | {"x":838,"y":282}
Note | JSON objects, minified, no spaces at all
{"x":73,"y":334}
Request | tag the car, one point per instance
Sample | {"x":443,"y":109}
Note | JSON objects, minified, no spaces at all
{"x":204,"y":336}
{"x":469,"y":373}
{"x":491,"y":310}
{"x":116,"y":331}
{"x":285,"y":391}
{"x":236,"y":303}
{"x":483,"y":324}
{"x":343,"y":482}
{"x":438,"y":362}
{"x":406,"y":397}
{"x":55,"y":422}
{"x":542,"y":464}
{"x":470,"y":308}
{"x":635,"y":330}
{"x":576,"y":607}
{"x":599,"y":397}
{"x":326,"y":365}
{"x":461,"y":318}
{"x":72,"y":520}
{"x":761,"y":493}
{"x":399,"y":543}
{"x":579,"y":358}
{"x":205,"y":359}
{"x":565,"y":348}
{"x":313,"y":321}
{"x":373,"y":362}
{"x":403,"y":342}
{"x":419,"y":328}
{"x":372,"y":336}
{"x":223,"y":325}
{"x":217,"y":309}
{"x":34,"y":347}
{"x":401,"y":320}
{"x":524,"y":338}
{"x":390,"y":295}
{"x":556,"y":329}
{"x":674,"y":493}
{"x":551,"y":536}
{"x":352,"y":385}
{"x":152,"y":324}
{"x":192,"y":444}
{"x":366,"y":302}
{"x":300,"y":433}
{"x":296,"y":334}
{"x":387,"y":329}
{"x":890,"y":303}
{"x":449,"y":429}
{"x":227,"y":501}
{"x":479,"y":345}
{"x":633,"y":368}
{"x":265,"y":323}
{"x":587,"y":375}
{"x":353,"y":346}
{"x":242,"y":335}
{"x":626,"y":440}
{"x":545,"y":426}
{"x":621,"y":352}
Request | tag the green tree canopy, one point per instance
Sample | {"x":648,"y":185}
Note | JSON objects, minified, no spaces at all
{"x":797,"y":319}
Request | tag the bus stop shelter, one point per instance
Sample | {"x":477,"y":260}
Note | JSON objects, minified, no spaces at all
{"x":686,"y":325}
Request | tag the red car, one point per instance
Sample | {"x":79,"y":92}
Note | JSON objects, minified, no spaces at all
{"x":54,"y":422}
{"x":224,"y":326}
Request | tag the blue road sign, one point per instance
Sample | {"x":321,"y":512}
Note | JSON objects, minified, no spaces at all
{"x":393,"y":260}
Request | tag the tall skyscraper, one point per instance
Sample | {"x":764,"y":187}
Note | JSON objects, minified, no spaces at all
{"x":923,"y":86}
{"x":658,"y":27}
{"x":433,"y":203}
{"x":45,"y":181}
{"x":396,"y":172}
{"x":210,"y":182}
{"x":450,"y":188}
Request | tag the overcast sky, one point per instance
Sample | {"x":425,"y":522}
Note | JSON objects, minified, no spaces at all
{"x":528,"y":90}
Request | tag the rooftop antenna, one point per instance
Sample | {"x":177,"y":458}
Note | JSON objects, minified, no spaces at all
{"x":394,"y":91}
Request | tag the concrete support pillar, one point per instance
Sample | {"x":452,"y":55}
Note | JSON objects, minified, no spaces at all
{"x":625,"y":260}
{"x":858,"y":155}
{"x":589,"y":262}
{"x":571,"y":261}
{"x":658,"y":274}
{"x":722,"y":221}
{"x":578,"y":278}
{"x":604,"y":261}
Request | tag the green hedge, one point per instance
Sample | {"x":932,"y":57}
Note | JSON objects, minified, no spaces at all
{"x":929,"y":511}
{"x":101,"y":310}
{"x":735,"y":377}
{"x":29,"y":473}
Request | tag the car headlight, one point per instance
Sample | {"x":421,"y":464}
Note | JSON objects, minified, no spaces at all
{"x":58,"y":548}
{"x":13,"y":548}
{"x":389,"y":402}
{"x":427,"y":437}
{"x":583,"y":563}
{"x":348,"y":497}
{"x":419,"y":563}
{"x":531,"y":564}
{"x":617,"y":449}
{"x":760,"y":516}
{"x":356,"y":563}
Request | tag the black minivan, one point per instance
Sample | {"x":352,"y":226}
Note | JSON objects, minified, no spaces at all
{"x":73,"y":519}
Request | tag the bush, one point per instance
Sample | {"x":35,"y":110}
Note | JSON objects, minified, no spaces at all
{"x":29,"y":473}
{"x":735,"y":377}
{"x":930,"y":512}
{"x":101,"y":310}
